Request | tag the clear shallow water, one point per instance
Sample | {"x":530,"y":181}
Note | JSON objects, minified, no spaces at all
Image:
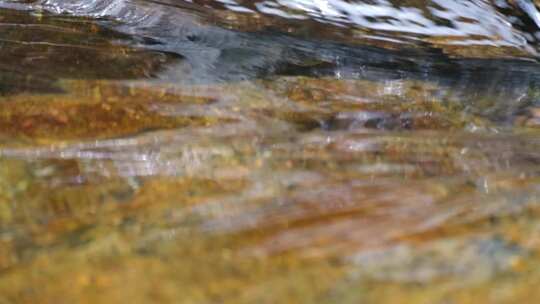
{"x":264,"y":152}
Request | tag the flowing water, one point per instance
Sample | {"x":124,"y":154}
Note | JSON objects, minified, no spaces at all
{"x":279,"y":151}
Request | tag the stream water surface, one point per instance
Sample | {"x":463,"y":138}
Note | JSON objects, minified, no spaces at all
{"x":279,"y":151}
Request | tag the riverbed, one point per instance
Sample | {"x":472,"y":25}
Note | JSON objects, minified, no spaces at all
{"x":283,"y":151}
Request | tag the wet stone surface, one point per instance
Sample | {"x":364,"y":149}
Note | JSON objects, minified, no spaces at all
{"x":269,"y":152}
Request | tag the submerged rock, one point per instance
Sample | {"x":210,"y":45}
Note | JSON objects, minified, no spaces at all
{"x":418,"y":39}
